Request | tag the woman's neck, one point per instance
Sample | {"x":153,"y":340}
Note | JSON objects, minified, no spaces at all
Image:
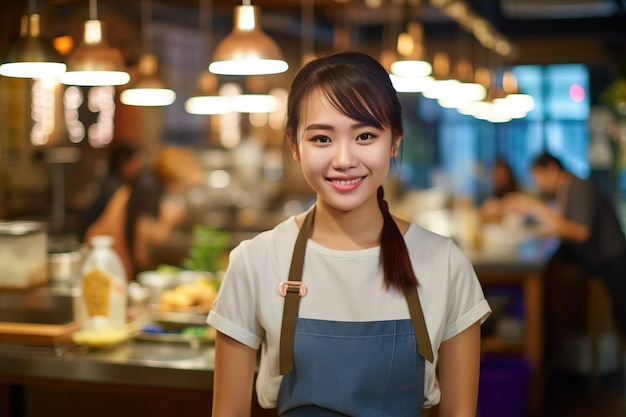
{"x":347,"y":230}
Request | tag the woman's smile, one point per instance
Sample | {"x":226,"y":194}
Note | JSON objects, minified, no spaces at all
{"x":346,"y":184}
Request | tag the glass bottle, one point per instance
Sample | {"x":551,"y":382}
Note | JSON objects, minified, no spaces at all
{"x":103,"y":291}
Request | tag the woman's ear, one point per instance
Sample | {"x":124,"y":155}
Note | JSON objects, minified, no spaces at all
{"x":395,"y":146}
{"x":293,"y":148}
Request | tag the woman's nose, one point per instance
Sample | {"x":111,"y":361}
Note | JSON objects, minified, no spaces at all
{"x":345,"y":156}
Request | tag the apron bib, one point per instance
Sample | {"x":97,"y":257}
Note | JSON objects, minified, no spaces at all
{"x":334,"y":368}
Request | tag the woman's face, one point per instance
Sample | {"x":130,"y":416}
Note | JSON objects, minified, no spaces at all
{"x":343,"y":160}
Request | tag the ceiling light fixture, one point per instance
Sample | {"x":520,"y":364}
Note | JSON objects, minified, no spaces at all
{"x":247,"y":50}
{"x":410,"y":48}
{"x":206,"y":101}
{"x":94,"y":62}
{"x":150,"y":89}
{"x":467,"y":90}
{"x":30,"y":56}
{"x":443,"y":86}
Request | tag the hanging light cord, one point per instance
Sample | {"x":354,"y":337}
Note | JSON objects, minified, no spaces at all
{"x":204,"y":25}
{"x":93,"y":10}
{"x":146,"y":25}
{"x":32,"y":7}
{"x":308,"y":31}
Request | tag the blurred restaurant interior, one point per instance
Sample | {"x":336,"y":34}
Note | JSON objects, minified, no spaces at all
{"x":541,"y":75}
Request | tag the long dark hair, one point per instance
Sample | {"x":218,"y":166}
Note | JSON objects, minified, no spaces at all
{"x":359,"y":87}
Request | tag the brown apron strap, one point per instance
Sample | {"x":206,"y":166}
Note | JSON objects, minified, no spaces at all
{"x":292,"y":296}
{"x":424,"y":347}
{"x":292,"y":303}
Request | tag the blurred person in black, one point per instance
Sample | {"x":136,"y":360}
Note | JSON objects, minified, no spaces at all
{"x":142,"y":214}
{"x":592,"y":243}
{"x":125,"y":162}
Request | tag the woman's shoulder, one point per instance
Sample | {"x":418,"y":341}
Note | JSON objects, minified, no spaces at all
{"x":416,"y":233}
{"x":281,"y":235}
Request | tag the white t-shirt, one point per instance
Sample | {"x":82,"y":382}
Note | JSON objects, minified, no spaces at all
{"x":342,"y":286}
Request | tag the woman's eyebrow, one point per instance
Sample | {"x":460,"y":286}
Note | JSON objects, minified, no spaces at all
{"x":322,"y":126}
{"x":319,"y":126}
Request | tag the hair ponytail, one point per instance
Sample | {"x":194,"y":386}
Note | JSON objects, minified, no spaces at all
{"x":394,"y":256}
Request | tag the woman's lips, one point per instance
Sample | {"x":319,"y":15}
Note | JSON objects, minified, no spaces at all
{"x":345,"y":184}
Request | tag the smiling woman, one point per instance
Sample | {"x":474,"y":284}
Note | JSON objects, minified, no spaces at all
{"x":369,"y":298}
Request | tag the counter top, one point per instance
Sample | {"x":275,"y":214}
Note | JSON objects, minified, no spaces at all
{"x":138,"y":363}
{"x":166,"y":364}
{"x":184,"y":365}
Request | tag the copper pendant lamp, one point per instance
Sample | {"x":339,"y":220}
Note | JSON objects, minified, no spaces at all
{"x":31,"y":56}
{"x":247,"y":50}
{"x":150,"y":89}
{"x":94,"y":62}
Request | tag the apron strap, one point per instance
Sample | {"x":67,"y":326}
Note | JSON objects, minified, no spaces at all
{"x":422,"y":339}
{"x":293,"y":291}
{"x":292,"y":296}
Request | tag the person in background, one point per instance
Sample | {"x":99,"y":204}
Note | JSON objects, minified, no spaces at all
{"x":157,"y":203}
{"x":504,"y":182}
{"x":125,"y":162}
{"x":592,"y":242}
{"x":337,"y":322}
{"x":141,"y":215}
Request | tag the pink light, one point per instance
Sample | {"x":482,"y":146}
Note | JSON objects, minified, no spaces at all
{"x":577,"y":93}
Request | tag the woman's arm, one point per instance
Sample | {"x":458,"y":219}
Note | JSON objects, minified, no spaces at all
{"x":233,"y":377}
{"x":459,"y":367}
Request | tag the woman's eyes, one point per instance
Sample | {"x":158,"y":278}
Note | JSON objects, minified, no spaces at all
{"x":361,"y":137}
{"x":365,"y":136}
{"x":321,"y":139}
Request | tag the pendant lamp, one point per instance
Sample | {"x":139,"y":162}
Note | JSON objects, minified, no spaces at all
{"x":150,"y":89}
{"x":410,"y":49}
{"x":94,"y":62}
{"x":206,"y":101}
{"x":443,"y":85}
{"x":467,"y":90}
{"x":247,"y":50}
{"x":30,"y":56}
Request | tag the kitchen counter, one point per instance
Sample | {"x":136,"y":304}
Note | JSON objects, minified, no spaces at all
{"x":141,"y":364}
{"x":175,"y":378}
{"x":133,"y":378}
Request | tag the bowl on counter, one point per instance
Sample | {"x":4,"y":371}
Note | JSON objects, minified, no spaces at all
{"x":64,"y":267}
{"x":185,"y":291}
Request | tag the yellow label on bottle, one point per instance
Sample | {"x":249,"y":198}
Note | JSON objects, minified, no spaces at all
{"x":96,"y":287}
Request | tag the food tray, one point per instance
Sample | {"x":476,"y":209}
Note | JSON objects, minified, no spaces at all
{"x":179,"y":318}
{"x":175,"y":337}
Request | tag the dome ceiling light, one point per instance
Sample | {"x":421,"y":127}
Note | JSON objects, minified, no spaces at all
{"x":94,"y":62}
{"x":31,"y":56}
{"x":247,"y":50}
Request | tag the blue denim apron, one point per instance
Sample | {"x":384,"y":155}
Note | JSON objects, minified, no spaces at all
{"x":334,"y":368}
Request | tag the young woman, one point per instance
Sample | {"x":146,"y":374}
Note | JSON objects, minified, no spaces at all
{"x":357,"y":312}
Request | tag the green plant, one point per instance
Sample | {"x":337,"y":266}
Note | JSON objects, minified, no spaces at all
{"x":208,"y":249}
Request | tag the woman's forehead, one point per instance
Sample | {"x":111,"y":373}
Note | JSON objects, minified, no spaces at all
{"x":317,"y":102}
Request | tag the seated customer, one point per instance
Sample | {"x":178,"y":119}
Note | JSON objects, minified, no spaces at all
{"x":592,"y":242}
{"x":504,"y":182}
